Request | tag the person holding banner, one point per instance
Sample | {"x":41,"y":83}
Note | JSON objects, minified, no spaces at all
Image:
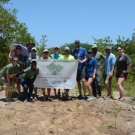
{"x":67,"y":56}
{"x":56,"y":56}
{"x":80,"y":53}
{"x":46,"y":57}
{"x":7,"y":76}
{"x":27,"y":78}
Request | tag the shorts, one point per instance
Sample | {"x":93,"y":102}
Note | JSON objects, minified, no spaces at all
{"x":81,"y":74}
{"x":123,"y":75}
{"x":87,"y":77}
{"x":109,"y":80}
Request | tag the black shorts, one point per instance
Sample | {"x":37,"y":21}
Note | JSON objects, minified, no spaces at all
{"x":80,"y":74}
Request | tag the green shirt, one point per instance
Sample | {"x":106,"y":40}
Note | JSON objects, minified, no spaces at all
{"x":10,"y":69}
{"x":29,"y":73}
{"x":64,"y":57}
{"x":98,"y":56}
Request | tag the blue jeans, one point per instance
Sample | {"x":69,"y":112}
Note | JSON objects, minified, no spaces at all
{"x":26,"y":84}
{"x":96,"y":85}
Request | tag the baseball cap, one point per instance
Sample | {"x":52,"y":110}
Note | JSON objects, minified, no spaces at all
{"x":34,"y":48}
{"x":77,"y":41}
{"x":30,"y":43}
{"x":18,"y":47}
{"x":56,"y":47}
{"x":67,"y":48}
{"x":108,"y":48}
{"x":94,"y":46}
{"x":45,"y":50}
{"x":90,"y":51}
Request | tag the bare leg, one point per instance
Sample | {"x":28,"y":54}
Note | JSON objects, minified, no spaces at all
{"x":43,"y":92}
{"x":89,"y":86}
{"x":48,"y":91}
{"x":55,"y":92}
{"x":120,"y":86}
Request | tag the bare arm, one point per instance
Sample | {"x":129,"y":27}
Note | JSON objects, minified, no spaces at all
{"x":128,"y":68}
{"x":85,"y":59}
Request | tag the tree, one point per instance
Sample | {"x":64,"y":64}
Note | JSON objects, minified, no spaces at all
{"x":42,"y":45}
{"x":11,"y":31}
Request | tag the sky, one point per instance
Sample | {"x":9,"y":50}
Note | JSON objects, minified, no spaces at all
{"x":64,"y":21}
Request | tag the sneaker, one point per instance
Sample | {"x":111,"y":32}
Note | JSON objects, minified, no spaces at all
{"x":49,"y":99}
{"x":108,"y":97}
{"x":85,"y":97}
{"x":35,"y":98}
{"x":31,"y":97}
{"x":90,"y":98}
{"x":7,"y":100}
{"x":25,"y":101}
{"x":80,"y":97}
{"x":121,"y":99}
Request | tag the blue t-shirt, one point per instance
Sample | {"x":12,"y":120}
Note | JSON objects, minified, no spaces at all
{"x":110,"y":61}
{"x":27,"y":63}
{"x":79,"y":54}
{"x":20,"y":57}
{"x":91,"y":64}
{"x":55,"y":57}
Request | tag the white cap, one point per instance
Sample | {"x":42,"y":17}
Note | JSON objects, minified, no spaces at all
{"x":94,"y":46}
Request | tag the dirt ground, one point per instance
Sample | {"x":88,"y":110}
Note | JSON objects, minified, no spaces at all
{"x":75,"y":117}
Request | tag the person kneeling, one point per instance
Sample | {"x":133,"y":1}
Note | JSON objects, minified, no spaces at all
{"x":27,"y":78}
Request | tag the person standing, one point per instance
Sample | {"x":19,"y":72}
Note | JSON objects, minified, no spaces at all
{"x":68,"y":57}
{"x":46,"y":57}
{"x":32,"y":55}
{"x":27,"y":78}
{"x":56,"y":56}
{"x":109,"y":64}
{"x":96,"y":84}
{"x":123,"y":66}
{"x":90,"y":70}
{"x":7,"y":76}
{"x":20,"y":56}
{"x":80,"y":53}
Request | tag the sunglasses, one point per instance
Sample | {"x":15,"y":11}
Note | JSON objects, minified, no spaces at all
{"x":18,"y":48}
{"x":119,"y":49}
{"x":15,"y":60}
{"x":46,"y":52}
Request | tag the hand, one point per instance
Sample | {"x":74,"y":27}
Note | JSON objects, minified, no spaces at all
{"x":12,"y":76}
{"x":111,"y":74}
{"x":93,"y":77}
{"x":124,"y":71}
{"x":29,"y":59}
{"x":79,"y":61}
{"x":100,"y":67}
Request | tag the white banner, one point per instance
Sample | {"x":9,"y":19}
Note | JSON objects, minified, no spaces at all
{"x":56,"y":74}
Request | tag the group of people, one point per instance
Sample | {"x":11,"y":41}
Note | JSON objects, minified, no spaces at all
{"x":23,"y":70}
